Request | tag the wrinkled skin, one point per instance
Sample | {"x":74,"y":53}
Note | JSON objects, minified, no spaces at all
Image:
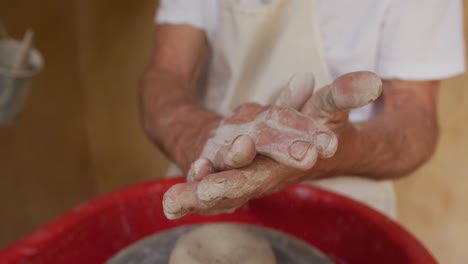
{"x":263,"y":149}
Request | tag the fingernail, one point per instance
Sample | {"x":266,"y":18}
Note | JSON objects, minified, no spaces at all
{"x":199,"y":169}
{"x":220,"y":180}
{"x":235,"y":159}
{"x":322,"y":141}
{"x":235,"y":156}
{"x":299,"y":149}
{"x":171,"y":206}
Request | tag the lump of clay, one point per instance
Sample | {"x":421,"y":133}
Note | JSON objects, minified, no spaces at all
{"x":222,"y":244}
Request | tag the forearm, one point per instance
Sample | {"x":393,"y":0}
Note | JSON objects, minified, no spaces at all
{"x":171,"y":117}
{"x":394,"y":143}
{"x":389,"y":146}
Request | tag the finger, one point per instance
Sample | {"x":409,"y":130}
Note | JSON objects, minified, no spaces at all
{"x":352,"y":90}
{"x":286,"y":119}
{"x":326,"y":144}
{"x":293,"y":149}
{"x":225,"y":150}
{"x":225,"y":185}
{"x":287,"y":136}
{"x":235,"y":187}
{"x":221,"y":206}
{"x":180,"y":200}
{"x":240,"y":153}
{"x":244,"y":113}
{"x":300,"y":88}
{"x":199,"y":169}
{"x":225,"y":191}
{"x":224,"y":210}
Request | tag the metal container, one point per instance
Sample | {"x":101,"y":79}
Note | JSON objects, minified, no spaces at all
{"x":14,"y":84}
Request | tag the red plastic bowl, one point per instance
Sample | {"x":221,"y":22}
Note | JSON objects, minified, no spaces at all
{"x":345,"y":230}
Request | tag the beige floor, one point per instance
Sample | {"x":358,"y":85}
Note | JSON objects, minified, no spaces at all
{"x":79,"y":135}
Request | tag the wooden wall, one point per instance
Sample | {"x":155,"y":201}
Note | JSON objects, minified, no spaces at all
{"x":44,"y":161}
{"x":79,"y":134}
{"x":433,"y":201}
{"x":114,"y":49}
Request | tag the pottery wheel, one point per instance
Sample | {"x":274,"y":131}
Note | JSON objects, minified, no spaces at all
{"x":157,"y":248}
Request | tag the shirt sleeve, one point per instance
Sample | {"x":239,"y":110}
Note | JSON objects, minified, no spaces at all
{"x":422,"y":40}
{"x":188,"y":12}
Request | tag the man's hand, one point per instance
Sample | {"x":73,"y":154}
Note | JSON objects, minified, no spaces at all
{"x":278,"y":131}
{"x":401,"y":137}
{"x":225,"y":191}
{"x":230,"y":189}
{"x":174,"y":121}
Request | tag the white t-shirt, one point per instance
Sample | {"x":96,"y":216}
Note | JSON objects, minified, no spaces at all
{"x":404,"y":39}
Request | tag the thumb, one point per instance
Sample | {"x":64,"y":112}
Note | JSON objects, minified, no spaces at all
{"x":349,"y":91}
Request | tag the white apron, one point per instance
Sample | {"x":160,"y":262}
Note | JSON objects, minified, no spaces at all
{"x":258,"y":47}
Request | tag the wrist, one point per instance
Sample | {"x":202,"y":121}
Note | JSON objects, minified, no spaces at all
{"x":194,"y":126}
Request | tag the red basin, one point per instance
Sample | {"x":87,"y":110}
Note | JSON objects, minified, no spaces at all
{"x":345,"y":230}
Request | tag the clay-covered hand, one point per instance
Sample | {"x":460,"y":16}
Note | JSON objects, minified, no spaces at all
{"x":278,"y":131}
{"x":227,"y":190}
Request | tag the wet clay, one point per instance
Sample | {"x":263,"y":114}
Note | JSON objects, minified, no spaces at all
{"x":222,"y":244}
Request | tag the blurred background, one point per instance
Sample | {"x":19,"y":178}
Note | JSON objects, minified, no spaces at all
{"x":79,"y":134}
